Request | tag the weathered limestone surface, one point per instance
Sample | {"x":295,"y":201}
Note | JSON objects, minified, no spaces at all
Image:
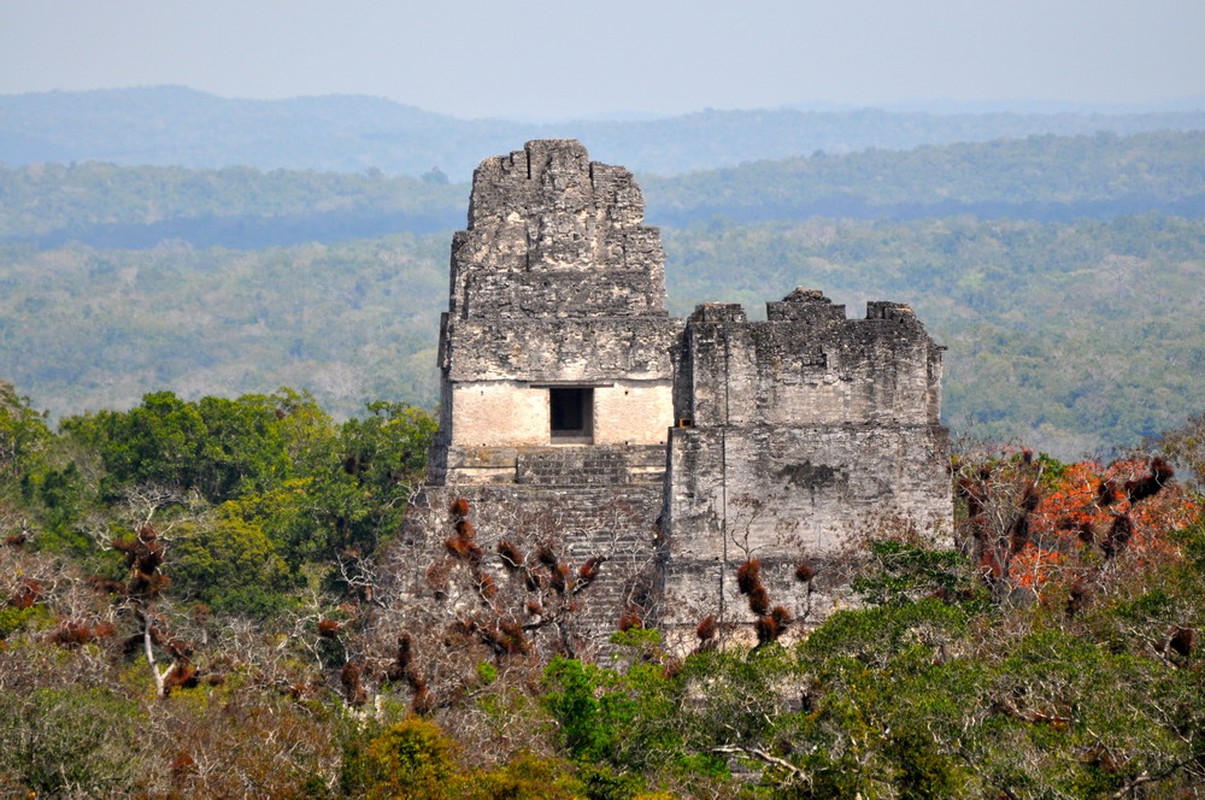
{"x":556,"y":282}
{"x":798,"y":435}
{"x":576,"y":414}
{"x":581,"y":505}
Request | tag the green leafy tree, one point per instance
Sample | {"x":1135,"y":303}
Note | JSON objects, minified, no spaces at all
{"x":24,"y":438}
{"x":1186,"y":445}
{"x":230,"y":564}
{"x":70,"y":742}
{"x":412,"y":758}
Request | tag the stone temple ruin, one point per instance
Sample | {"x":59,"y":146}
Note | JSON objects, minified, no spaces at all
{"x":580,"y":420}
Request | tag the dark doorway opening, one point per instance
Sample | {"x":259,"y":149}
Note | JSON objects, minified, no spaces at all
{"x":572,"y":414}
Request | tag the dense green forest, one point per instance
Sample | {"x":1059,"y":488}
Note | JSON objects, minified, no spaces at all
{"x":89,"y":328}
{"x":195,"y":601}
{"x":176,"y":126}
{"x":1074,"y":337}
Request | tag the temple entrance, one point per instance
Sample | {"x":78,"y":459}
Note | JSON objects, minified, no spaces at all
{"x":571,"y":412}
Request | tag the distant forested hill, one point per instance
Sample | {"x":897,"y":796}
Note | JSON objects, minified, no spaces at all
{"x":136,"y":207}
{"x":175,"y":126}
{"x":1065,"y":289}
{"x":1045,"y":178}
{"x":83,"y":328}
{"x":1038,"y":177}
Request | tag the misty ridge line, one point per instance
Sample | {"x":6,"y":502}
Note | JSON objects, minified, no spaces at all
{"x":172,"y":125}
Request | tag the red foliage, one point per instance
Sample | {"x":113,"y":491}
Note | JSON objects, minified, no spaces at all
{"x":768,"y":629}
{"x":73,"y":634}
{"x":1018,"y":532}
{"x":459,"y":507}
{"x":512,"y":557}
{"x":510,"y":637}
{"x":631,"y":618}
{"x":181,"y":676}
{"x":28,"y":595}
{"x":1120,"y":533}
{"x":1031,"y":497}
{"x":464,"y":548}
{"x":106,"y":585}
{"x":748,"y":576}
{"x":486,"y":587}
{"x":559,"y":578}
{"x":404,"y":667}
{"x":546,"y":556}
{"x":179,"y":648}
{"x":782,"y":616}
{"x":353,"y":689}
{"x":466,"y":529}
{"x":759,"y":600}
{"x":1108,"y":493}
{"x":143,"y":585}
{"x":182,"y":766}
{"x":707,"y":628}
{"x":974,"y":493}
{"x":588,"y":572}
{"x":1182,"y":641}
{"x":149,"y":556}
{"x":126,"y":546}
{"x":423,"y":702}
{"x":405,"y":650}
{"x":296,"y":690}
{"x":328,"y":628}
{"x":464,"y":626}
{"x":804,"y":571}
{"x":1128,"y":506}
{"x":1150,"y":484}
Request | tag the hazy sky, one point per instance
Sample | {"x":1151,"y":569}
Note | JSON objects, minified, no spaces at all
{"x":563,"y":58}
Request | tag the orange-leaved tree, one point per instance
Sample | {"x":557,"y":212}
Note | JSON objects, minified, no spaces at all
{"x":1031,"y":520}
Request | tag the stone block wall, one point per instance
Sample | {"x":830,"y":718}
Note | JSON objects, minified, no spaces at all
{"x":797,"y":436}
{"x":579,"y":503}
{"x":695,"y":446}
{"x":555,"y":283}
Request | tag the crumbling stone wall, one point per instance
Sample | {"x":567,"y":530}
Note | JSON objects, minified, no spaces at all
{"x":555,"y":283}
{"x":557,"y":291}
{"x":795,"y":436}
{"x":579,"y":417}
{"x":582,"y":505}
